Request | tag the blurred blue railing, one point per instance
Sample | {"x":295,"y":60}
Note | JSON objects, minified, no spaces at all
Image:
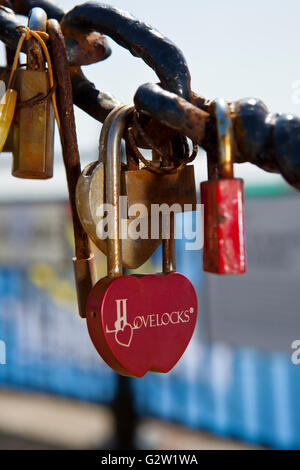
{"x":235,"y":392}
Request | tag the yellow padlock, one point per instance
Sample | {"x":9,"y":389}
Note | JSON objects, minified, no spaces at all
{"x":7,"y":109}
{"x":4,"y":78}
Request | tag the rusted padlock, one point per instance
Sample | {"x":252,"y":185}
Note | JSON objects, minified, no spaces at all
{"x":142,"y":188}
{"x":33,"y":131}
{"x":137,"y":323}
{"x":158,"y":181}
{"x":223,"y":200}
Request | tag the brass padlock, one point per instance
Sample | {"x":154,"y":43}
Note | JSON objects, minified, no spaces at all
{"x":90,"y":196}
{"x":141,"y":187}
{"x":145,"y":187}
{"x":7,"y":109}
{"x":158,"y":181}
{"x":33,"y":127}
{"x":9,"y":60}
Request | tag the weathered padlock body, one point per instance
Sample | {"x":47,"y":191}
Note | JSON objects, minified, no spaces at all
{"x":89,"y":198}
{"x":224,"y":247}
{"x":9,"y":140}
{"x":140,"y":187}
{"x":7,"y":109}
{"x":8,"y":146}
{"x":223,"y":200}
{"x":33,"y":135}
{"x":5,"y":78}
{"x":141,"y":324}
{"x":147,"y":188}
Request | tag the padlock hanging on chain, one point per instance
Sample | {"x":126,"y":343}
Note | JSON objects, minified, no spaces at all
{"x":7,"y":108}
{"x":9,"y":61}
{"x":137,"y":323}
{"x":33,"y":126}
{"x":90,"y":195}
{"x":141,"y":187}
{"x":223,"y":200}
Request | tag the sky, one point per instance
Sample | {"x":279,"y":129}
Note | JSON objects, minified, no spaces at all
{"x":234,"y":49}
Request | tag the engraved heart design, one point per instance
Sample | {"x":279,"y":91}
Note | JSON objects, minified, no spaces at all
{"x":124,"y":336}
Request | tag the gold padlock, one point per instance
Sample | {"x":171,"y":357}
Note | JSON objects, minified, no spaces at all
{"x":159,"y":181}
{"x":9,"y":60}
{"x":33,"y":131}
{"x":141,"y":187}
{"x":90,"y":196}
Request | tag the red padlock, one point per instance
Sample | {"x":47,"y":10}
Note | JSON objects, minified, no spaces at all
{"x":137,"y":323}
{"x":223,"y":200}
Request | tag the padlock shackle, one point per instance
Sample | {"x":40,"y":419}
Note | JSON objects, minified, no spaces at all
{"x":37,"y":21}
{"x":104,"y":132}
{"x":110,"y":153}
{"x":169,"y":249}
{"x":110,"y":145}
{"x":225,"y":140}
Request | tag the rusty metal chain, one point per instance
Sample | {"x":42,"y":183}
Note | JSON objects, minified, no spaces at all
{"x":270,"y":141}
{"x":184,"y":159}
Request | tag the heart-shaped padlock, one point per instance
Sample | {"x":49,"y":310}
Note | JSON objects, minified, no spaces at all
{"x":138,"y":323}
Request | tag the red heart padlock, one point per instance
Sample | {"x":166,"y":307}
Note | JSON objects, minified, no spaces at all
{"x":142,"y":323}
{"x":137,"y":323}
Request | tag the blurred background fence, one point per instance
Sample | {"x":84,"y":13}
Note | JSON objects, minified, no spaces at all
{"x":236,"y":378}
